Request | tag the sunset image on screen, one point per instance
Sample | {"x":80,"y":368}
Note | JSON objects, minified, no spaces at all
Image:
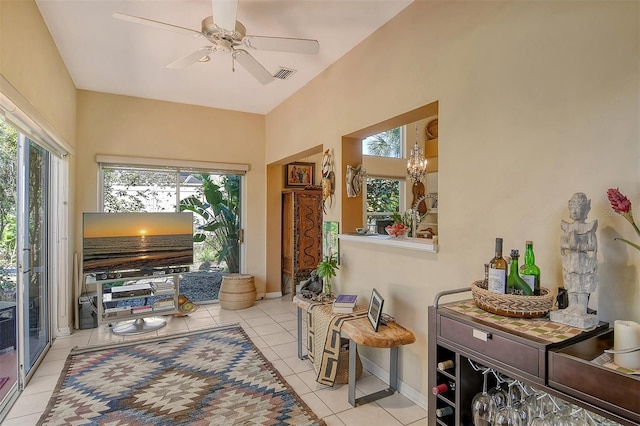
{"x":125,"y":241}
{"x":129,"y":224}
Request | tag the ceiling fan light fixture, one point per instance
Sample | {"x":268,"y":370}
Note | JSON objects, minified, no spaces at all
{"x":205,"y":58}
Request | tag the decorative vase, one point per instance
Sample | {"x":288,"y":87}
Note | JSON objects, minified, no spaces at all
{"x":327,"y":287}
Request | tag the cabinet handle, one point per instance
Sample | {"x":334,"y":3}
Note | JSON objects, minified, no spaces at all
{"x":481,"y":335}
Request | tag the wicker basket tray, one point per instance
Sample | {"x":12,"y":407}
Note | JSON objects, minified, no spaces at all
{"x":512,"y":305}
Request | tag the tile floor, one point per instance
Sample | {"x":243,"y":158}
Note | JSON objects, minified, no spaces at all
{"x":271,"y":324}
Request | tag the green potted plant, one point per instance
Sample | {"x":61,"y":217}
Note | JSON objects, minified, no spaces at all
{"x":220,"y":217}
{"x":327,"y":270}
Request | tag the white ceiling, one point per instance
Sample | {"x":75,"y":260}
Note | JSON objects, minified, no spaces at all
{"x":105,"y":54}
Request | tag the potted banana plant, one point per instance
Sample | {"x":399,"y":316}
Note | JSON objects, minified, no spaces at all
{"x":327,"y":270}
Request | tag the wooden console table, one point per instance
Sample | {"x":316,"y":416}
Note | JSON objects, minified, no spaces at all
{"x":360,"y":332}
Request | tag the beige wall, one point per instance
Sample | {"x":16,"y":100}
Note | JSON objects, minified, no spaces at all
{"x":121,"y":125}
{"x":30,"y":62}
{"x":537,"y":101}
{"x":32,"y":69}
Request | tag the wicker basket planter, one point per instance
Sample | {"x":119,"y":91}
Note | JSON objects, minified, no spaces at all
{"x":237,"y":291}
{"x":512,"y":305}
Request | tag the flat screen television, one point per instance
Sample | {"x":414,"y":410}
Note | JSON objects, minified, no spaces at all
{"x":113,"y":242}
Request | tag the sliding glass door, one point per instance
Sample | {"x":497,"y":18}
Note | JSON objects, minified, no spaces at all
{"x":33,"y":190}
{"x":8,"y":263}
{"x":25,"y":323}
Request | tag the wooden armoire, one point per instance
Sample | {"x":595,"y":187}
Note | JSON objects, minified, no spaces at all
{"x":301,"y":236}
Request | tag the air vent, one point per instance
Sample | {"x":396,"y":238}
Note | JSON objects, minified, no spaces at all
{"x":284,"y":73}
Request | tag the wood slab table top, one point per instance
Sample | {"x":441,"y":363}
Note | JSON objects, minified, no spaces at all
{"x":387,"y":336}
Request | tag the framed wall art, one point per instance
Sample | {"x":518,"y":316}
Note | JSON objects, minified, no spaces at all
{"x":299,"y":175}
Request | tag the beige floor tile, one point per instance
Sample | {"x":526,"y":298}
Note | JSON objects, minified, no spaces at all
{"x":278,"y":339}
{"x":267,"y":329}
{"x":261,"y":320}
{"x":298,"y":365}
{"x":309,"y":377}
{"x":47,"y":368}
{"x":368,"y":414}
{"x":259,"y":342}
{"x":316,"y":405}
{"x":104,"y":338}
{"x":282,"y":317}
{"x":273,"y":309}
{"x":290,"y":325}
{"x":336,"y":397}
{"x":200,"y":323}
{"x":286,"y":350}
{"x":282,"y":367}
{"x":57,"y":354}
{"x":269,"y":354}
{"x":402,"y":408}
{"x":40,"y":384}
{"x":72,"y":341}
{"x":370,"y":384}
{"x":251,"y":312}
{"x":27,"y":405}
{"x":226,"y":317}
{"x":31,"y":419}
{"x":297,"y":384}
{"x":199,"y":314}
{"x":333,"y":421}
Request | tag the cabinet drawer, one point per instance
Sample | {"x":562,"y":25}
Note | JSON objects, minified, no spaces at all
{"x":515,"y":354}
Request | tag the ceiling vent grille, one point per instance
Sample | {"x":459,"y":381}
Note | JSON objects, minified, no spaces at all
{"x":284,"y":73}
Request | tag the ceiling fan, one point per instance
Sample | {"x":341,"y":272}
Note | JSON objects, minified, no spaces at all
{"x":227,"y":35}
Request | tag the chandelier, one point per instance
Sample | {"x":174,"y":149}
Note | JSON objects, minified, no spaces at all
{"x":417,"y":164}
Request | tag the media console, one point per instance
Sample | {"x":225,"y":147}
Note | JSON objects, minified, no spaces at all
{"x":130,"y":303}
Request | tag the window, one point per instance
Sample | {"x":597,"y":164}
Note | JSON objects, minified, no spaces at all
{"x":383,"y":199}
{"x":384,"y":144}
{"x":212,"y":197}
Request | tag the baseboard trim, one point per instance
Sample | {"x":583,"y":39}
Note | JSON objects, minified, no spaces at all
{"x":274,"y":295}
{"x":64,"y":331}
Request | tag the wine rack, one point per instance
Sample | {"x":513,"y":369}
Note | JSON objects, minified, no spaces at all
{"x":461,"y":338}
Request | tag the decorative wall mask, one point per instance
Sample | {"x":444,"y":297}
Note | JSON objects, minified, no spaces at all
{"x":355,"y":176}
{"x":328,"y":179}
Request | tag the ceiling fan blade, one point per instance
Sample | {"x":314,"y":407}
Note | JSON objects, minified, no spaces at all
{"x":156,"y":24}
{"x":281,"y":44}
{"x":225,"y":13}
{"x":254,"y":67}
{"x":191,"y":58}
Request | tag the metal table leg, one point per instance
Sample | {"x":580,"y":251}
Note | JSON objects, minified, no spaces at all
{"x":393,"y":377}
{"x":300,"y":356}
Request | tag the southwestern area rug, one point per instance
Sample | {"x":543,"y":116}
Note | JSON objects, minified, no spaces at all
{"x":211,"y":377}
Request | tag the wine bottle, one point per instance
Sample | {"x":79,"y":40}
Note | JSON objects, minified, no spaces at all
{"x":515,"y":283}
{"x":498,"y":271}
{"x":529,"y":270}
{"x":443,"y":412}
{"x":443,"y":388}
{"x":446,"y":365}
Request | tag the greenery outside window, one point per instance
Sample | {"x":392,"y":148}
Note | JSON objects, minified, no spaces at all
{"x":383,"y":199}
{"x":385,"y":144}
{"x":214,"y":199}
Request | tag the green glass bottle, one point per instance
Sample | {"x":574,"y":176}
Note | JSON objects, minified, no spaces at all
{"x":515,"y":283}
{"x":529,"y":271}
